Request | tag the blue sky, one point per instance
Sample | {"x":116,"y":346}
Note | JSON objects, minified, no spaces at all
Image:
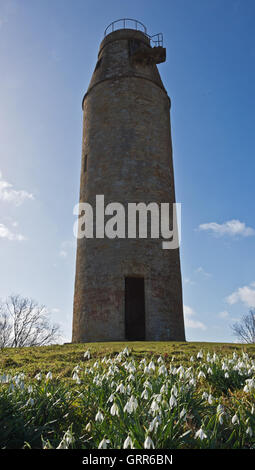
{"x":48,"y":50}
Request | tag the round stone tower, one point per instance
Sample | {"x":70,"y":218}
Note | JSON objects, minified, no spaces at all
{"x":127,"y":288}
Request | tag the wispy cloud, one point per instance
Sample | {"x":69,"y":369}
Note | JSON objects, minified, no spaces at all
{"x":9,"y":194}
{"x":223,"y":315}
{"x":245,"y":294}
{"x":5,"y":232}
{"x":189,"y":321}
{"x":188,"y":281}
{"x":231,"y":227}
{"x":201,"y":270}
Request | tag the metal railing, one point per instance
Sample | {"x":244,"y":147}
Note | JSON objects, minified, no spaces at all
{"x":158,"y":41}
{"x":129,"y":23}
{"x":124,"y":24}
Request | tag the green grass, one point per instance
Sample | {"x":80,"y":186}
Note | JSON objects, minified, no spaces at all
{"x":61,"y":359}
{"x":188,"y":395}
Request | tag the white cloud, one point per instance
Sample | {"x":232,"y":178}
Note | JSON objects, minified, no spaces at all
{"x":187,"y":280}
{"x":6,"y":233}
{"x":245,"y":294}
{"x":201,"y":270}
{"x":223,"y":314}
{"x":232,"y":227}
{"x":190,"y":322}
{"x":8,"y":194}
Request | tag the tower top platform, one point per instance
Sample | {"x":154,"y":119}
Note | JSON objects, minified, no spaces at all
{"x":130,"y":23}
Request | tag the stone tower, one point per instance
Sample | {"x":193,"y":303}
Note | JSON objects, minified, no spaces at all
{"x":127,"y":288}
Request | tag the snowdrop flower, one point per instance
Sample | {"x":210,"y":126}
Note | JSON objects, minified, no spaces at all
{"x":99,"y":417}
{"x":157,"y":397}
{"x":103,"y":443}
{"x":128,"y":443}
{"x":114,"y":410}
{"x":192,"y":381}
{"x":119,"y":357}
{"x":49,"y":376}
{"x":38,"y":376}
{"x":131,"y":377}
{"x":250,"y":384}
{"x":210,"y":399}
{"x":87,"y":354}
{"x":200,"y":434}
{"x":120,"y":388}
{"x":151,"y":366}
{"x":200,"y":354}
{"x":88,"y":426}
{"x":220,"y":409}
{"x":145,"y":394}
{"x":147,"y":384}
{"x":131,"y":405}
{"x":164,"y":388}
{"x":154,"y":407}
{"x":162,"y":370}
{"x":249,"y":431}
{"x":132,"y":368}
{"x":160,"y":360}
{"x":183,"y":413}
{"x":201,"y":374}
{"x":146,"y":370}
{"x":205,"y":396}
{"x":154,"y":424}
{"x":226,"y":375}
{"x":148,"y":443}
{"x":174,"y":391}
{"x":235,"y":419}
{"x":126,"y":351}
{"x":172,"y":401}
{"x":111,"y":398}
{"x":180,"y":371}
{"x":30,"y":389}
{"x":191,"y":359}
{"x":209,"y":371}
{"x":67,"y":440}
{"x":76,"y":378}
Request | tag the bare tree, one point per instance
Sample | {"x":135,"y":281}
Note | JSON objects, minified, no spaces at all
{"x":25,"y":323}
{"x":244,"y":330}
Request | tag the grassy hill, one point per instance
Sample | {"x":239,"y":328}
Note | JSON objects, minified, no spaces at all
{"x":61,"y":359}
